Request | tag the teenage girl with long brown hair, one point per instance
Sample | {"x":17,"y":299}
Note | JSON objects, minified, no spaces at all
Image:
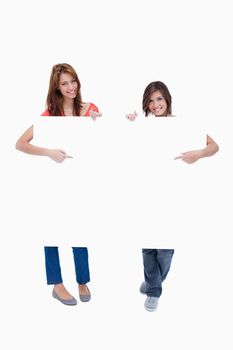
{"x":64,"y":99}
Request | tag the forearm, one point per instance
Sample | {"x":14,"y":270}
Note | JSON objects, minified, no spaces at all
{"x":209,"y":150}
{"x":28,"y":148}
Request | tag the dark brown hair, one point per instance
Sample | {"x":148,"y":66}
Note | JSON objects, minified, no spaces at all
{"x":55,"y":98}
{"x":150,"y":89}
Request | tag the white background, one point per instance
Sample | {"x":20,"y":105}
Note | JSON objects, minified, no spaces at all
{"x":117,"y":49}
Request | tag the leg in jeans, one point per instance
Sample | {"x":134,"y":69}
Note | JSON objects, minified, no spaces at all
{"x":53,"y":273}
{"x":164,"y":257}
{"x":157,"y":263}
{"x":81,"y":265}
{"x":82,"y":272}
{"x":52,"y":264}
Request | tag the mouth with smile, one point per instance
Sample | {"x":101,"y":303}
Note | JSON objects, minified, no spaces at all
{"x":158,"y":110}
{"x":72,"y":93}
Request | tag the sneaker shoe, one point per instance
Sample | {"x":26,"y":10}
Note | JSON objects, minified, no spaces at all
{"x":151,"y":303}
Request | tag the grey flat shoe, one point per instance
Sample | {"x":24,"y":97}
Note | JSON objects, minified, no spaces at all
{"x":151,"y":303}
{"x":85,"y":297}
{"x":143,"y":288}
{"x":71,"y":301}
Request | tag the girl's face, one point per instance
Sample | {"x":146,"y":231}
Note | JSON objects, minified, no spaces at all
{"x":157,"y":104}
{"x":68,"y":86}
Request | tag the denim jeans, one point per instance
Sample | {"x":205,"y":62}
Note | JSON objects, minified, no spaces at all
{"x":156,"y":263}
{"x":53,"y":268}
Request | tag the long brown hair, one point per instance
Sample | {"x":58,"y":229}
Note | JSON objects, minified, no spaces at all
{"x":150,"y":89}
{"x":55,"y":98}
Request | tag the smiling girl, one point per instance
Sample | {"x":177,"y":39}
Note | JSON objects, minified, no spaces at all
{"x":63,"y":99}
{"x":157,"y":102}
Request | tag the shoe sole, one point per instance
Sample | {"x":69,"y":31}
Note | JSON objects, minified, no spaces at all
{"x":63,"y":301}
{"x":150,"y":310}
{"x":84,"y":300}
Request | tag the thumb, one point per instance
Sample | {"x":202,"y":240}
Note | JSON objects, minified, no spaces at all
{"x":60,"y":150}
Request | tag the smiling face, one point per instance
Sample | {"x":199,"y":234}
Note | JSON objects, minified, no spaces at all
{"x":68,"y":86}
{"x":157,"y":100}
{"x":157,"y":104}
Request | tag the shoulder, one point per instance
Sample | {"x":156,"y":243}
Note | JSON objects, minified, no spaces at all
{"x":91,"y":107}
{"x":45,"y":113}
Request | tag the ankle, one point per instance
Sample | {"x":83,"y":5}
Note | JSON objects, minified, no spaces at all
{"x":59,"y":287}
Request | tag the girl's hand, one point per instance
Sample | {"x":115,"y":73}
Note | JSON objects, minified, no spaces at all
{"x":132,"y":116}
{"x":58,"y":155}
{"x":94,"y":115}
{"x":191,"y":156}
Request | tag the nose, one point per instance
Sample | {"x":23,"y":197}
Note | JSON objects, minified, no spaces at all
{"x":154,"y":104}
{"x":71,"y":86}
{"x":157,"y":103}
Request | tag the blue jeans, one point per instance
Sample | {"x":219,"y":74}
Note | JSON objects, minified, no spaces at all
{"x":156,"y":263}
{"x":53,"y":268}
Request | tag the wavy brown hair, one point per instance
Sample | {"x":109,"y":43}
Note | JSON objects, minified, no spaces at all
{"x":55,"y":98}
{"x":150,"y":89}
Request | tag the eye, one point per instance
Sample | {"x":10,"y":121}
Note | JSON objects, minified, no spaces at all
{"x":74,"y":80}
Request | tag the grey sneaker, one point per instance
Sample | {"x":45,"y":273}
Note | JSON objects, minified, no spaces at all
{"x":85,"y":297}
{"x":151,"y":303}
{"x":71,"y":301}
{"x":143,"y":288}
